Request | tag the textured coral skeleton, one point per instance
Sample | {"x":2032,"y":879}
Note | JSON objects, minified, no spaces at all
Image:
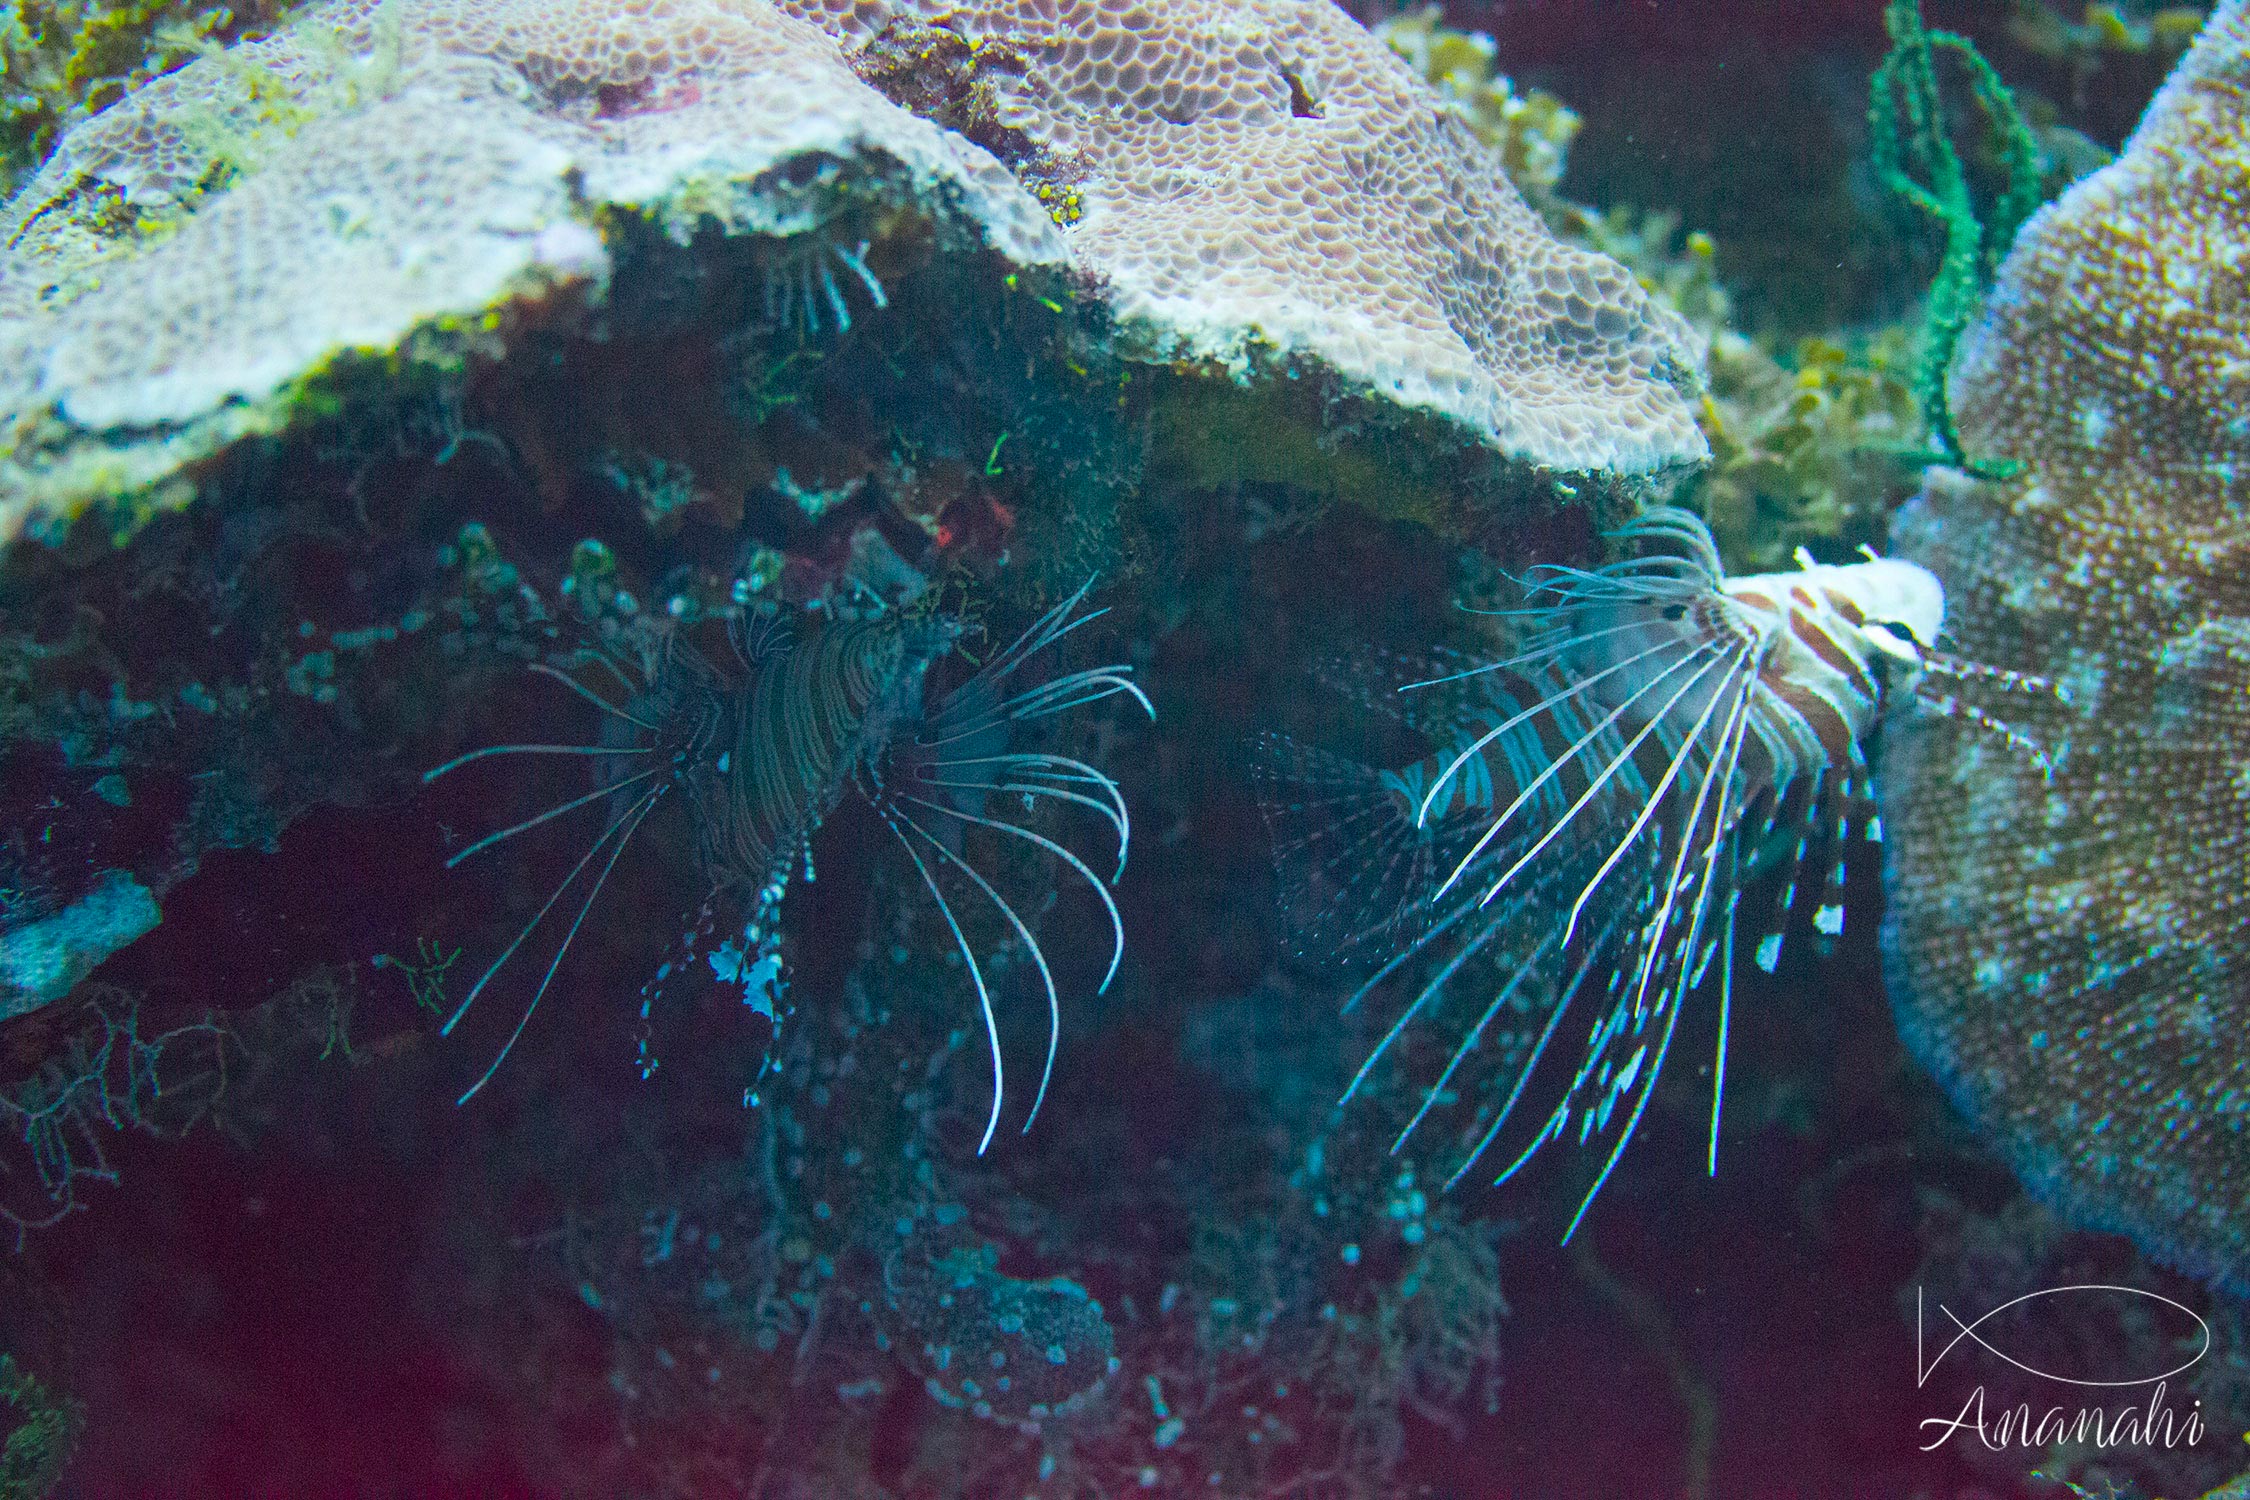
{"x":1212,"y":153}
{"x":2068,"y":956}
{"x":260,"y":215}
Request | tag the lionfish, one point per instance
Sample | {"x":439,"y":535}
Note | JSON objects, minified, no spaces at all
{"x":764,"y":754}
{"x":1663,"y":736}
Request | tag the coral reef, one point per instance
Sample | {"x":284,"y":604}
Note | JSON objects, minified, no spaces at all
{"x":1978,"y":1258}
{"x":2101,"y":56}
{"x":838,"y":337}
{"x":2067,"y":954}
{"x":341,"y":146}
{"x":354,"y":370}
{"x":63,"y":60}
{"x":266,"y":215}
{"x":1188,"y":139}
{"x":1813,"y":447}
{"x":1532,"y":130}
{"x":47,"y":956}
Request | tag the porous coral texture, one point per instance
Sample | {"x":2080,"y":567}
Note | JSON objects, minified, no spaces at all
{"x":191,"y":253}
{"x":1236,"y":177}
{"x":1265,"y":172}
{"x":2073,"y":957}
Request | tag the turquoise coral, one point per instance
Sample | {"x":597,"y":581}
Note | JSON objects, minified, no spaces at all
{"x":42,"y":959}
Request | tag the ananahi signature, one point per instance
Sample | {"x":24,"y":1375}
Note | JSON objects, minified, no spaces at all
{"x":2154,"y":1424}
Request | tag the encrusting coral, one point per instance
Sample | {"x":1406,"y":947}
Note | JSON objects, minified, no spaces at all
{"x":2069,"y":955}
{"x":191,"y":262}
{"x":1532,"y":129}
{"x":1266,"y":172}
{"x":62,"y":60}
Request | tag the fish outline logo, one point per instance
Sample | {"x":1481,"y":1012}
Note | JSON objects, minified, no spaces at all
{"x":1924,"y":1367}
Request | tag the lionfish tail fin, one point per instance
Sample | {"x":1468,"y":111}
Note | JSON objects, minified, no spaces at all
{"x":1354,"y":872}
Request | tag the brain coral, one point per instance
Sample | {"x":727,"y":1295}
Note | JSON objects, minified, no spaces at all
{"x":1234,"y":176}
{"x":2073,"y":958}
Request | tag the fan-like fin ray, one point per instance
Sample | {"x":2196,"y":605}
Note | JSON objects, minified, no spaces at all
{"x":1109,"y":902}
{"x":976,"y":975}
{"x":1046,"y":975}
{"x":553,"y":812}
{"x":639,"y":811}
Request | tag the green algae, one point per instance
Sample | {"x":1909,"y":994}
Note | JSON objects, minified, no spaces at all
{"x":1915,"y":158}
{"x":38,"y":1430}
{"x":65,"y":59}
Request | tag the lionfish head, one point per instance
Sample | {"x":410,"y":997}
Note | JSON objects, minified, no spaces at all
{"x":1901,"y":604}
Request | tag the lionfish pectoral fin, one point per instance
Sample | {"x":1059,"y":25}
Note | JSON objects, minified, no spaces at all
{"x":624,"y":826}
{"x":1031,"y":945}
{"x":1952,"y":706}
{"x":1634,"y":1079}
{"x":960,"y":754}
{"x":1719,"y":1052}
{"x":979,"y":705}
{"x":1595,"y":958}
{"x":551,"y":813}
{"x":1590,"y":742}
{"x":1100,"y":888}
{"x":1354,"y":871}
{"x":1675,"y":764}
{"x":1500,"y":1000}
{"x":1668,"y":969}
{"x":1032,"y":775}
{"x":593,"y":697}
{"x":976,"y":977}
{"x":1428,"y":993}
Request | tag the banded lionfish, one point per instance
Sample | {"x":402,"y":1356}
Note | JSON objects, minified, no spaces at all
{"x":1661,"y":735}
{"x":763,"y":753}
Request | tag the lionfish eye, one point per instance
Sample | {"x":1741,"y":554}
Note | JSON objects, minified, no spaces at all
{"x":1893,"y":639}
{"x":1674,"y":611}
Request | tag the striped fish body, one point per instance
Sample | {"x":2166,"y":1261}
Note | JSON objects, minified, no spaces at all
{"x":1820,"y":690}
{"x":812,"y":713}
{"x":1793,"y":650}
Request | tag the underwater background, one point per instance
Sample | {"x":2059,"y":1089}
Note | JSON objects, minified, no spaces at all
{"x":773,"y":379}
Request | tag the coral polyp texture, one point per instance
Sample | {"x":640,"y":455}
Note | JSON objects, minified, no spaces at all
{"x":1268,"y":173}
{"x":192,"y":259}
{"x":2072,"y":957}
{"x":1240,"y":184}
